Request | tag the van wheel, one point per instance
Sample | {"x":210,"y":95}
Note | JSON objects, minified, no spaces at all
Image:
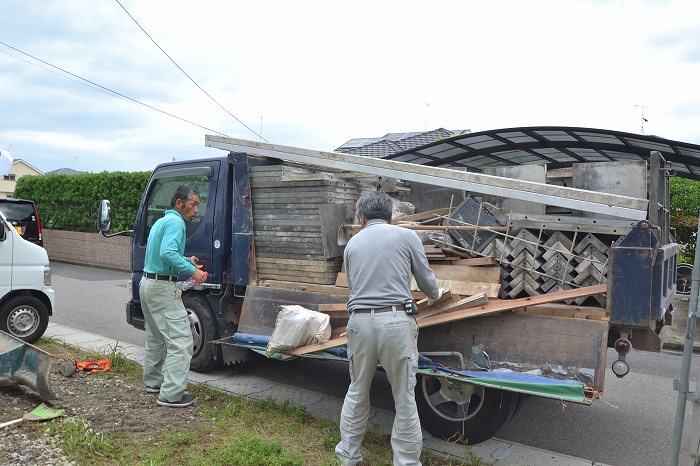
{"x":462,"y":412}
{"x":24,"y":317}
{"x":205,"y":356}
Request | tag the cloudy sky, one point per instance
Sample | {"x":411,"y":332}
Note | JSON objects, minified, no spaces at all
{"x":83,"y":86}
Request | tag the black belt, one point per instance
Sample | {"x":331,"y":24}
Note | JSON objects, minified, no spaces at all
{"x":378,"y":309}
{"x":161,"y":276}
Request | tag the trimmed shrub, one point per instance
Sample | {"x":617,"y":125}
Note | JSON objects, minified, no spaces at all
{"x":70,"y":202}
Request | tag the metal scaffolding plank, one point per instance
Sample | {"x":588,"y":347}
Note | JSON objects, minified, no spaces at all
{"x":590,"y":201}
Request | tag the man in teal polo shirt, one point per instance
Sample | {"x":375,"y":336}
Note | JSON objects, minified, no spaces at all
{"x":168,"y":337}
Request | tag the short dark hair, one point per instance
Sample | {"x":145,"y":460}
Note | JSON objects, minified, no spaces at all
{"x":184,"y":193}
{"x":375,"y":205}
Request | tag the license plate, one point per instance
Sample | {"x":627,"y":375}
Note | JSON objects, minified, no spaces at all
{"x":19,"y":229}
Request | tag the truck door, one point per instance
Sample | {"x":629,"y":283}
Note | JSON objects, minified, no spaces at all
{"x":203,"y":178}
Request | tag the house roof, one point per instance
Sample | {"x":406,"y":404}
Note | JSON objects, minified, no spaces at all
{"x":24,"y":162}
{"x":392,"y":143}
{"x":555,"y":146}
{"x":64,"y":171}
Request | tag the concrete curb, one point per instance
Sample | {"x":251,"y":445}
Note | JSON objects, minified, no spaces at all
{"x":494,"y":451}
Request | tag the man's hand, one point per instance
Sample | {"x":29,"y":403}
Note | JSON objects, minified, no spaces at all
{"x":194,"y":260}
{"x":199,"y":276}
{"x":432,"y":301}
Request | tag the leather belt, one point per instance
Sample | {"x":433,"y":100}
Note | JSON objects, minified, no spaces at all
{"x":160,"y":276}
{"x":378,"y":309}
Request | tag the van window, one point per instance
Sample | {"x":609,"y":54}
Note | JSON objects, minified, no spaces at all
{"x":160,"y":194}
{"x":24,"y":217}
{"x":22,"y":212}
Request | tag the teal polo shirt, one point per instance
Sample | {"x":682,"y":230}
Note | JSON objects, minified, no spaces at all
{"x":165,"y":248}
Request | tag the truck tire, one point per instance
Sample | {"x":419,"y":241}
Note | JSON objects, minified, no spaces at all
{"x":462,"y":412}
{"x":205,"y":356}
{"x":25,"y":317}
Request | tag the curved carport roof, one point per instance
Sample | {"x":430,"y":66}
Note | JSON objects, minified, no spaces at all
{"x":556,"y":146}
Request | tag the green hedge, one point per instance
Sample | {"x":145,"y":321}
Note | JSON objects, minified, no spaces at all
{"x":70,"y":202}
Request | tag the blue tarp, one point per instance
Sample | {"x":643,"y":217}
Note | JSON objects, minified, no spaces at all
{"x":570,"y":390}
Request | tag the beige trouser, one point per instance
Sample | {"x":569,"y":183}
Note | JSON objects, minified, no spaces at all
{"x":168,"y":349}
{"x":390,"y":339}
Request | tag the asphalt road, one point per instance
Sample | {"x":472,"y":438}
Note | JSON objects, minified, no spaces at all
{"x":631,"y":425}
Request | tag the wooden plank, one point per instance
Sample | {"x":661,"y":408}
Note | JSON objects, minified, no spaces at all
{"x":456,"y":287}
{"x":499,"y":305}
{"x":342,"y":280}
{"x":591,"y":201}
{"x":567,"y":310}
{"x":296,"y":262}
{"x":311,"y":287}
{"x":492,"y":307}
{"x":424,"y":215}
{"x":465,"y":288}
{"x":333,"y":307}
{"x":467,"y":273}
{"x":311,"y":278}
{"x":454,"y":305}
{"x":475,"y":261}
{"x":355,"y":228}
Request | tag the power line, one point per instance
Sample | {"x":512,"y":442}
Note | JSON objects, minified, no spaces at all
{"x":188,"y":76}
{"x":110,"y":91}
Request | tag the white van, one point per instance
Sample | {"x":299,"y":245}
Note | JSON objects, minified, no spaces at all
{"x":26,"y":296}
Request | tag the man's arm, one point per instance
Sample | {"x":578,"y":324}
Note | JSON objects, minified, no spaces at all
{"x":425,"y":278}
{"x":173,"y":238}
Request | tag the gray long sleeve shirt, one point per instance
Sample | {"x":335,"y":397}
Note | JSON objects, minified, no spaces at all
{"x":379,"y":262}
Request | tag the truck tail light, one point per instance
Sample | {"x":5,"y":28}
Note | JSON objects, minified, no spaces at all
{"x":620,"y":367}
{"x":622,"y":346}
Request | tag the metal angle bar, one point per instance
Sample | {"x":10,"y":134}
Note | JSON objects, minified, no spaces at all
{"x":563,"y":223}
{"x":591,"y":201}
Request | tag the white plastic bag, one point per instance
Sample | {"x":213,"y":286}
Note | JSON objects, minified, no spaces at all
{"x":297,"y":326}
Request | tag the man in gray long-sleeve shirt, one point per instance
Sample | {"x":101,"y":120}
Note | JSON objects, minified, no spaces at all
{"x":379,"y":262}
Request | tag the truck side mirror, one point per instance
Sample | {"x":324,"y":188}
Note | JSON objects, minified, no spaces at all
{"x":104,"y":216}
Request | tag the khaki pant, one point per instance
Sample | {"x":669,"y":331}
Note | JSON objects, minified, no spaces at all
{"x":388,"y":338}
{"x":168,"y":349}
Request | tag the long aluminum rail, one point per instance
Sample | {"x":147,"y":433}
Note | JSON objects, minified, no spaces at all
{"x":578,"y":199}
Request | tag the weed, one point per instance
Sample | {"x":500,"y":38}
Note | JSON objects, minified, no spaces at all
{"x":119,"y":362}
{"x":80,"y":441}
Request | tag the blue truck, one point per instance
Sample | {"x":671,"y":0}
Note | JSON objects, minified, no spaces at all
{"x":270,"y":230}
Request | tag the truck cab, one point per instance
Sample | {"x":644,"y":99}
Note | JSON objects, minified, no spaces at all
{"x":26,"y":296}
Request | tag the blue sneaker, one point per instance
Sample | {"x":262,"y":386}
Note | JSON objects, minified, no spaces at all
{"x":187,"y":400}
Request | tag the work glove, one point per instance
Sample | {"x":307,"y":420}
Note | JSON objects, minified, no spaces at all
{"x":431,"y":301}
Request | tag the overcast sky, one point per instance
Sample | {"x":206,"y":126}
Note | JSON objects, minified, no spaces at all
{"x":315,"y":74}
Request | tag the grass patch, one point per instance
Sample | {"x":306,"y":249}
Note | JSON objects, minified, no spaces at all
{"x":80,"y":442}
{"x":228,"y":431}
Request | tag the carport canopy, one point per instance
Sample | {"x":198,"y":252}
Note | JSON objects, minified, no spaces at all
{"x":555,"y":146}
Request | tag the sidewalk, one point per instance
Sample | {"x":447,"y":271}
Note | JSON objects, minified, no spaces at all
{"x":493,"y":451}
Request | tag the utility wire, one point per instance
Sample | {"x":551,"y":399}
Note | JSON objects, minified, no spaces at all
{"x":110,"y":91}
{"x":188,"y":76}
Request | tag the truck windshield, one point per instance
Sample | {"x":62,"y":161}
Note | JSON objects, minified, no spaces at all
{"x":161,"y":192}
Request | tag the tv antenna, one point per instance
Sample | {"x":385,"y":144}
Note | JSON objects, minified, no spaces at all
{"x":644,"y":120}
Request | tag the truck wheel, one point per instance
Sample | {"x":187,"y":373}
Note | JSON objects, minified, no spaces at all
{"x":24,"y":317}
{"x":205,"y":356}
{"x":462,"y":412}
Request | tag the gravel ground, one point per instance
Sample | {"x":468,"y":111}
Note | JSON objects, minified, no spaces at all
{"x":105,"y":402}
